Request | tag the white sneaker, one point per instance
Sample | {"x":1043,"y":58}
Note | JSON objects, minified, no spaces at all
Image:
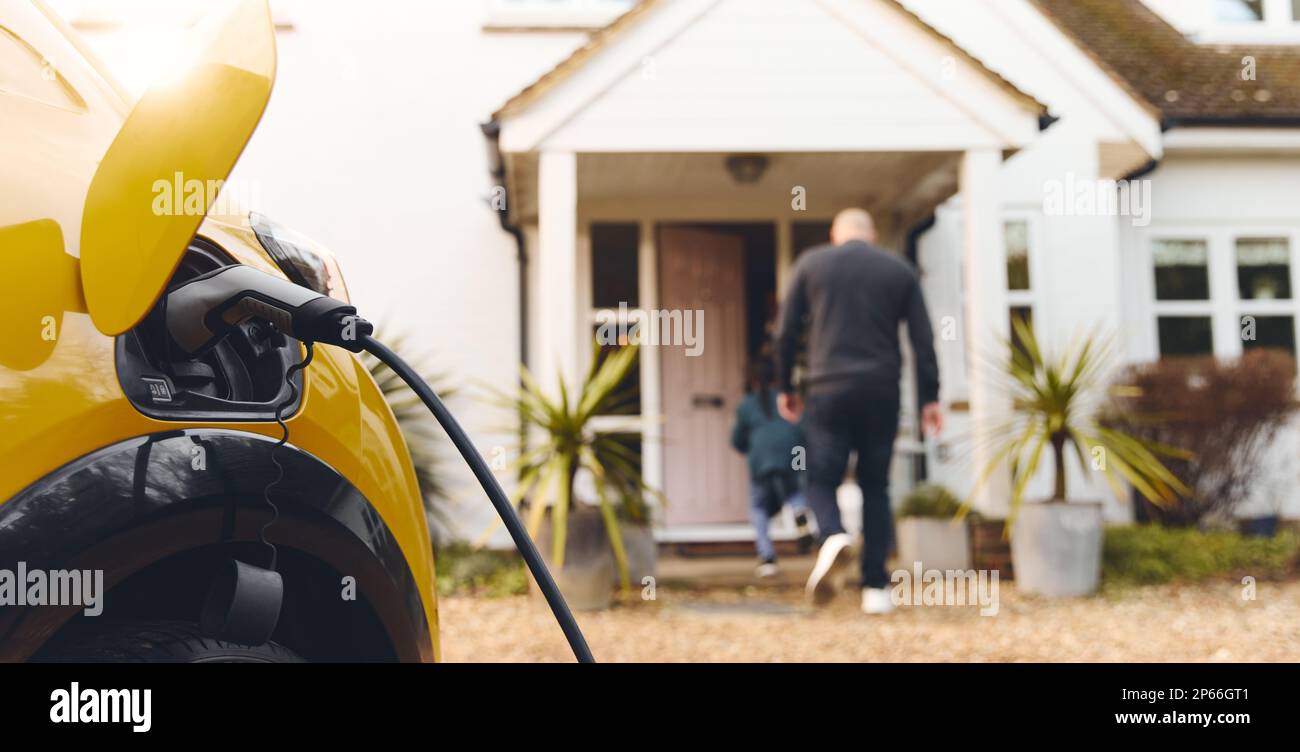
{"x":766,"y":569}
{"x":876,"y":601}
{"x":831,"y":559}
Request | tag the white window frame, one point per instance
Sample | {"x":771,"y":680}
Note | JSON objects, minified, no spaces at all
{"x":1278,"y":26}
{"x":632,"y":423}
{"x":1225,"y":307}
{"x":1031,"y":298}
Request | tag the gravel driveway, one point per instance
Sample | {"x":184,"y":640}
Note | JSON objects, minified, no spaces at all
{"x":1205,"y":622}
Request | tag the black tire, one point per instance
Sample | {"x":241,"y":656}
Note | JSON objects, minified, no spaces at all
{"x":167,"y":642}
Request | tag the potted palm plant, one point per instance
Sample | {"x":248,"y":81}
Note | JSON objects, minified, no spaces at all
{"x":928,"y":534}
{"x":583,"y":544}
{"x":1056,"y":543}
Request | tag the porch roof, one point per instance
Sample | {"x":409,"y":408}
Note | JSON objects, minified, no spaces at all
{"x":606,"y":35}
{"x":768,"y":76}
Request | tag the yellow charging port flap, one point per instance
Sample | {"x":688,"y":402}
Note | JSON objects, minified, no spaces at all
{"x":168,"y":163}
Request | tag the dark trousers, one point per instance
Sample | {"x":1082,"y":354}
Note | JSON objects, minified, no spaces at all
{"x":854,"y":419}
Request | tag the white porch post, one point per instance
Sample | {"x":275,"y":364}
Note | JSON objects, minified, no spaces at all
{"x":987,"y":323}
{"x":557,"y":269}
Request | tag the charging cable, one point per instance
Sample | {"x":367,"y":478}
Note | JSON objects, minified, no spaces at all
{"x":203,"y":310}
{"x":496,"y":495}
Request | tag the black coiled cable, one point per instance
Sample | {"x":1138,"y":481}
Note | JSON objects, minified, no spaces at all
{"x":284,"y":439}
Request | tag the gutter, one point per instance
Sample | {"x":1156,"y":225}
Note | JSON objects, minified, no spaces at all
{"x":1142,"y":171}
{"x":1231,"y":121}
{"x":911,"y":249}
{"x":497,"y":170}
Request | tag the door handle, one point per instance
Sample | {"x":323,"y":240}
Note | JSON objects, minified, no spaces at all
{"x":708,"y":400}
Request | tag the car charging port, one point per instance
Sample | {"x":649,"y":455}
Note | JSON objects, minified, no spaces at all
{"x":240,"y":378}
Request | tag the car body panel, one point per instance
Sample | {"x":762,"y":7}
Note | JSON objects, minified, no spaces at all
{"x":167,"y":163}
{"x":60,"y":398}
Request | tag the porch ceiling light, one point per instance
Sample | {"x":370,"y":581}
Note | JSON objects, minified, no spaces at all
{"x":747,"y":169}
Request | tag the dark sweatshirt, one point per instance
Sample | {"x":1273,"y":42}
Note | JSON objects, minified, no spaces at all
{"x":854,"y":297}
{"x":766,"y":439}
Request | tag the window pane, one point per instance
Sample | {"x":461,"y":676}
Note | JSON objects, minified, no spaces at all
{"x":1268,"y":332}
{"x":627,"y":395}
{"x":1185,"y":335}
{"x":805,"y":235}
{"x":1025,"y":314}
{"x":624,"y":473}
{"x":614,"y":272}
{"x":1182,"y":271}
{"x":1264,"y":268}
{"x":1239,"y":10}
{"x":1017,"y":242}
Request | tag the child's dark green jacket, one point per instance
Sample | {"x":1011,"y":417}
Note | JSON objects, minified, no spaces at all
{"x":765,"y":438}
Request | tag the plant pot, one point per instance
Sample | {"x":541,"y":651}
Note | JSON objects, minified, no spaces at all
{"x":936,"y":543}
{"x":1056,"y":548}
{"x":642,"y":553}
{"x":1259,"y":527}
{"x":990,"y":550}
{"x":588,"y":560}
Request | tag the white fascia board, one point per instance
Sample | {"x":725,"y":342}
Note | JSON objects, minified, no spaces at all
{"x":1232,"y":140}
{"x":527,"y":130}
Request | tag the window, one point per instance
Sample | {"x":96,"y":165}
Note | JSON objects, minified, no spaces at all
{"x":1017,"y":241}
{"x":1233,"y":18}
{"x":1238,"y":11}
{"x":628,"y":392}
{"x":615,"y":297}
{"x":1268,"y":332}
{"x":1185,"y":335}
{"x":1024,"y":314}
{"x":1182,"y":270}
{"x":1224,"y":291}
{"x":806,"y":235}
{"x":1022,"y":297}
{"x":615,"y":276}
{"x":1263,"y":268}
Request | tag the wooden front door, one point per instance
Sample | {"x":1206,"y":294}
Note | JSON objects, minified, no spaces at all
{"x":705,"y":480}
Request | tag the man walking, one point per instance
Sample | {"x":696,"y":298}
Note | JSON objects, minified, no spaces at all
{"x":854,"y":295}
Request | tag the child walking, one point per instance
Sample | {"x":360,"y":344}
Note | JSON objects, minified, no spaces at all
{"x":769,"y":443}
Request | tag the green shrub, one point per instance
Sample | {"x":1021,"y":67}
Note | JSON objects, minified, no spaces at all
{"x":1150,"y":554}
{"x":463,"y":568}
{"x":930,"y":500}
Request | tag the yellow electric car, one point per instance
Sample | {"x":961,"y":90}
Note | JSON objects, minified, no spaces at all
{"x":127,"y":460}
